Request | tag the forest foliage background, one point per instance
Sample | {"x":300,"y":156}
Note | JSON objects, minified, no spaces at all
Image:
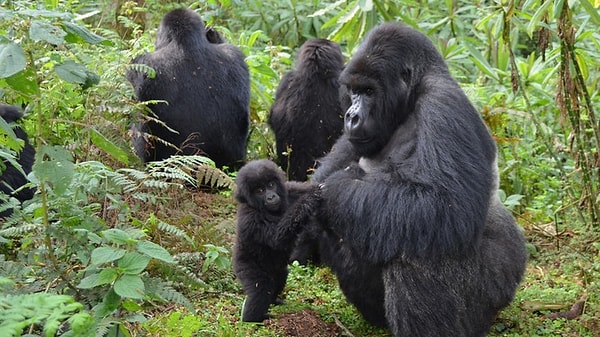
{"x":95,"y":251}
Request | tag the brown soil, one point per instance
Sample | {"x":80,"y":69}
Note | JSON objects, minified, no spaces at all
{"x":305,"y":323}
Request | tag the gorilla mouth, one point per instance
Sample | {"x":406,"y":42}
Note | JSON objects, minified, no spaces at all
{"x":360,"y":140}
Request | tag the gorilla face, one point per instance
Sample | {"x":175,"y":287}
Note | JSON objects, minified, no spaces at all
{"x":384,"y":80}
{"x":260,"y":184}
{"x":269,"y":196}
{"x":367,"y":120}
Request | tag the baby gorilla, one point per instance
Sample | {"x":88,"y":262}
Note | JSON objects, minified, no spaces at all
{"x":268,"y":217}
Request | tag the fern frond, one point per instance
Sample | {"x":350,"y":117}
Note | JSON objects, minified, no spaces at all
{"x":213,"y":177}
{"x":165,"y":292}
{"x":142,"y":68}
{"x":21,"y":230}
{"x":170,"y":229}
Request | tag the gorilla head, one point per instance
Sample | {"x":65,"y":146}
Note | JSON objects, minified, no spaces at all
{"x":261,"y":186}
{"x":183,"y":27}
{"x":381,"y":102}
{"x":320,"y":56}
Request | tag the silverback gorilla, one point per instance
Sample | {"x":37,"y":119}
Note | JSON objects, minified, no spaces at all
{"x":266,"y":232}
{"x":12,"y":179}
{"x":306,"y":116}
{"x":206,"y":86}
{"x":412,"y":226}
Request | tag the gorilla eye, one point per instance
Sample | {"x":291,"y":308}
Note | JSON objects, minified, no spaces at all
{"x":260,"y":190}
{"x":363,"y":91}
{"x":271,"y":184}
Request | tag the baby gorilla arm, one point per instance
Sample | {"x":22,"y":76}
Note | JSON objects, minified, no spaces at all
{"x":289,"y":225}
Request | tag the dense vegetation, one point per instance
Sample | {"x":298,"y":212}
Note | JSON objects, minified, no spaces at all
{"x":109,"y":247}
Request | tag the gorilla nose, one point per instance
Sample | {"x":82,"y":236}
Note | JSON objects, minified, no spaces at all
{"x":352,"y":120}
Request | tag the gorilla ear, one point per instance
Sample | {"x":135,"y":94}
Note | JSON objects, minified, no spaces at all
{"x":240,"y":196}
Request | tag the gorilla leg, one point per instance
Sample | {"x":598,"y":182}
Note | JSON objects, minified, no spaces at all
{"x":422,"y":302}
{"x":457,"y":297}
{"x":260,"y":295}
{"x":361,"y":282}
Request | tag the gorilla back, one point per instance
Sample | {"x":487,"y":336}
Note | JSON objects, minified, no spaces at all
{"x":409,"y":196}
{"x":306,"y":116}
{"x":206,"y":86}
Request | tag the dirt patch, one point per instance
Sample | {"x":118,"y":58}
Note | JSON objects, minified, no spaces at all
{"x":303,"y":324}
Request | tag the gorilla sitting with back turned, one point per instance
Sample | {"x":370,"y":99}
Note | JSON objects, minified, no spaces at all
{"x":206,"y":86}
{"x":270,"y":212}
{"x":411,"y":223}
{"x":11,"y":179}
{"x":306,"y":116}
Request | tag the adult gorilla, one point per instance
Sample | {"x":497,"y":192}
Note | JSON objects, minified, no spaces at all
{"x":306,"y":116}
{"x":206,"y":85}
{"x":412,"y":224}
{"x":11,"y":178}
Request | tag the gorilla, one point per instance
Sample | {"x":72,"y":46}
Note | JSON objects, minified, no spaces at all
{"x":11,"y":178}
{"x":206,"y":86}
{"x":411,"y":222}
{"x":269,"y":215}
{"x":306,"y":116}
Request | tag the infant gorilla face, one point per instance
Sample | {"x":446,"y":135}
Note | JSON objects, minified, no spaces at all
{"x":269,"y":196}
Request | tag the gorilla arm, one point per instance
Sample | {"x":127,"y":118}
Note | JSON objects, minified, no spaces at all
{"x":425,"y":194}
{"x":278,"y":233}
{"x":340,"y":157}
{"x":294,"y":217}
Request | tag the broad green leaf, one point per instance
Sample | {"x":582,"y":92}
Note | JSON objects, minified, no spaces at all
{"x":116,"y":235}
{"x":130,"y":286}
{"x":25,"y":82}
{"x":36,"y":13}
{"x":12,"y":59}
{"x":154,"y":251}
{"x":107,"y":276}
{"x":58,"y":171}
{"x":131,"y":306}
{"x":9,"y":138}
{"x":89,"y":282}
{"x":72,"y":72}
{"x":102,"y":255}
{"x":109,"y":304}
{"x":79,"y":33}
{"x":45,"y":31}
{"x":133,"y":263}
{"x":109,"y":147}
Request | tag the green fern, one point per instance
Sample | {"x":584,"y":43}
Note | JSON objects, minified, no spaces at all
{"x":164,"y":291}
{"x":149,"y":71}
{"x":173,"y":230}
{"x":213,"y":177}
{"x":22,"y":312}
{"x":21,"y":230}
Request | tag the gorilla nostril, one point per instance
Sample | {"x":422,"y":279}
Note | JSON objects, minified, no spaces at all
{"x":352,"y":120}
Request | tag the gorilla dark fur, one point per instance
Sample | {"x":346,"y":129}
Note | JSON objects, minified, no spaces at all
{"x":12,"y":179}
{"x":412,"y":226}
{"x":206,"y":86}
{"x":306,"y":115}
{"x":266,"y":231}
